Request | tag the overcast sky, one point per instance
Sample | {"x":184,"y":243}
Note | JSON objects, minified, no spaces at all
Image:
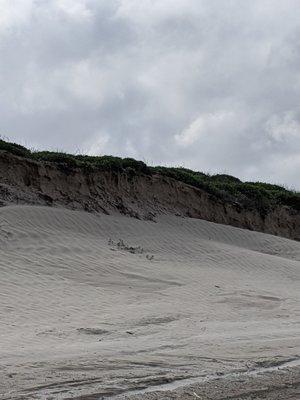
{"x":212,"y":85}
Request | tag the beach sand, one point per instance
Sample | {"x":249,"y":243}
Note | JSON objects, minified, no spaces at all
{"x":94,"y":306}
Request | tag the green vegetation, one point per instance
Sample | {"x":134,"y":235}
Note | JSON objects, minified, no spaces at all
{"x":69,"y":161}
{"x":14,"y":148}
{"x":251,"y":195}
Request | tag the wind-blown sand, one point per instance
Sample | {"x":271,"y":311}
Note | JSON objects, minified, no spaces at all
{"x":83,"y":313}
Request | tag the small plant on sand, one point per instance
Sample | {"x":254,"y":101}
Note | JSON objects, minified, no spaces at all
{"x":121,"y":245}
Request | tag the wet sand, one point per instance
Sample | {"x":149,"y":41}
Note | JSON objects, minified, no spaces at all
{"x":275,"y":385}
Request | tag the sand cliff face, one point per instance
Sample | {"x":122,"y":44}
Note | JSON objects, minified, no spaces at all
{"x":25,"y":181}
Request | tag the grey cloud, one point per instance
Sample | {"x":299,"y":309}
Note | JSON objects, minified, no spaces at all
{"x":212,"y":85}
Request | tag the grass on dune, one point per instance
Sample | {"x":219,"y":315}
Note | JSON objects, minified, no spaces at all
{"x":253,"y":195}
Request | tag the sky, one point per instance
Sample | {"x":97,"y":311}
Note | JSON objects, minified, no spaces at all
{"x":212,"y":85}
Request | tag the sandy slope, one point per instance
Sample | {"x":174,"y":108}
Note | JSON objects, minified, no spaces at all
{"x":81,"y":315}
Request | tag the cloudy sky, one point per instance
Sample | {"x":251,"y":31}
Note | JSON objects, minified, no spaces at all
{"x":212,"y":85}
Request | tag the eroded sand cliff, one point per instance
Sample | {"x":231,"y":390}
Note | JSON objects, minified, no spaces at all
{"x":24,"y":181}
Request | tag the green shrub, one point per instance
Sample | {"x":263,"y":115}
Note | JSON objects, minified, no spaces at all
{"x":14,"y":148}
{"x":138,"y":166}
{"x":290,"y":199}
{"x":108,"y":163}
{"x":266,"y":186}
{"x":56,"y":157}
{"x":224,"y":178}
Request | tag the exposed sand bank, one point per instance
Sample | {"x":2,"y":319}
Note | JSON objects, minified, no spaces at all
{"x":101,"y":305}
{"x":24,"y":181}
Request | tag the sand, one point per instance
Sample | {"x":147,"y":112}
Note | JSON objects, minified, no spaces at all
{"x":94,"y":306}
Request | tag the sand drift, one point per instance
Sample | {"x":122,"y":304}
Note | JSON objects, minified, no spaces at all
{"x":94,"y":306}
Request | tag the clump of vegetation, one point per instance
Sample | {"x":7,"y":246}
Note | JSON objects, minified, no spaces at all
{"x":121,"y":245}
{"x":251,"y":195}
{"x":14,"y":148}
{"x":102,"y":163}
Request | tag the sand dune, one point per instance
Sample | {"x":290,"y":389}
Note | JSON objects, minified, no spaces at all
{"x":96,"y":304}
